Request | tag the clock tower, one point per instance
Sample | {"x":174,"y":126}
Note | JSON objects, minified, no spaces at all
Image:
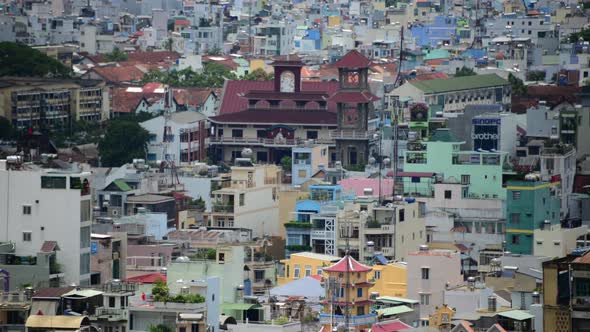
{"x":354,"y":103}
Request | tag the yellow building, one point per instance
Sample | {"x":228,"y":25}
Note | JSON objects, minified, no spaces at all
{"x":333,"y":21}
{"x":303,"y":264}
{"x":442,"y":317}
{"x":390,"y":279}
{"x":347,"y":296}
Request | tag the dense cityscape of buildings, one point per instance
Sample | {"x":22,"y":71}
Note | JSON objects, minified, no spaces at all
{"x":303,"y":165}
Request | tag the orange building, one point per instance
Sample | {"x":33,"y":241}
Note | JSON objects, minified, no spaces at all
{"x":347,"y":301}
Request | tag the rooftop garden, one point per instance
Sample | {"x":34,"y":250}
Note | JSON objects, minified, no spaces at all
{"x":161,"y":293}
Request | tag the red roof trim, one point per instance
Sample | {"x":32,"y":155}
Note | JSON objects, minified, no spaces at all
{"x":348,"y":264}
{"x":353,"y":59}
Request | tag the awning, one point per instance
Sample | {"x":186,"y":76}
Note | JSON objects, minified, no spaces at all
{"x":392,"y":311}
{"x":82,"y":294}
{"x":57,"y":322}
{"x":239,"y":306}
{"x":44,"y":307}
{"x":189,"y":316}
{"x":516,"y":315}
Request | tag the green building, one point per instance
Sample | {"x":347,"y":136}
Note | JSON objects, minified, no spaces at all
{"x":479,"y":172}
{"x":530,"y":205}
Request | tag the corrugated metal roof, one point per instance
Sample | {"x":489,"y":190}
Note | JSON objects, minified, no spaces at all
{"x":56,"y":322}
{"x":397,"y":310}
{"x":460,"y":83}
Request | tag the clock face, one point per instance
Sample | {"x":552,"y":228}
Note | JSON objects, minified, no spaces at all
{"x":351,"y":117}
{"x":287,"y":82}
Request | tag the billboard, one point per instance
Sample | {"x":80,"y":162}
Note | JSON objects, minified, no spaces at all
{"x":486,"y":133}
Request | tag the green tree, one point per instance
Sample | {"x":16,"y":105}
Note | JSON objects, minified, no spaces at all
{"x":214,"y":51}
{"x":583,"y":34}
{"x":286,"y":162}
{"x":464,"y":71}
{"x":213,"y":76}
{"x":518,"y":87}
{"x":123,"y":141}
{"x":21,"y":60}
{"x":258,"y":75}
{"x":535,"y":75}
{"x":116,"y":56}
{"x":168,"y":44}
{"x":160,"y":328}
{"x":6,"y":130}
{"x":160,"y":291}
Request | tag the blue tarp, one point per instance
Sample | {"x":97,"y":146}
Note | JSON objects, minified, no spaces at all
{"x":381,"y":259}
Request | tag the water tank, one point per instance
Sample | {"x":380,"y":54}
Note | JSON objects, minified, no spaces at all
{"x":246,"y":153}
{"x":423,"y":247}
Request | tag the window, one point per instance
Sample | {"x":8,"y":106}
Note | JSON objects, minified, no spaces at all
{"x":515,"y":218}
{"x":258,"y":275}
{"x":242,"y":199}
{"x":515,"y":239}
{"x":360,"y":310}
{"x":26,"y":209}
{"x":425,"y":299}
{"x":465,"y":179}
{"x":261,"y":134}
{"x":319,"y":270}
{"x":312,"y":134}
{"x":85,"y":263}
{"x":239,"y":133}
{"x":402,"y":215}
{"x":448,"y":194}
{"x":341,"y":292}
{"x":53,"y":182}
{"x":296,"y":272}
{"x":111,"y":301}
{"x":377,"y":275}
{"x":85,"y":237}
{"x":515,"y":195}
{"x":85,"y":210}
{"x":359,"y":292}
{"x":425,"y":273}
{"x":308,"y":270}
{"x":27,"y":236}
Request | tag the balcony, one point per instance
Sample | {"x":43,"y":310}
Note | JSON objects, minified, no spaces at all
{"x":353,"y":320}
{"x":110,"y":314}
{"x":265,"y":141}
{"x":378,"y":229}
{"x":222,"y":208}
{"x":352,"y":134}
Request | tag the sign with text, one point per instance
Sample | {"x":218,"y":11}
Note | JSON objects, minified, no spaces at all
{"x":486,"y":133}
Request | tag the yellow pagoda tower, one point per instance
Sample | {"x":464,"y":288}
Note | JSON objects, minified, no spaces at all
{"x":347,"y":303}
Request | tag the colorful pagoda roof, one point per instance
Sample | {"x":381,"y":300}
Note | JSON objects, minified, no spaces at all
{"x":353,"y":59}
{"x":348,"y":264}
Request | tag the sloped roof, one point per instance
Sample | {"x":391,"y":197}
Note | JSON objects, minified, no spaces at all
{"x":308,"y":287}
{"x":348,"y":264}
{"x":353,"y":59}
{"x":516,"y":314}
{"x":460,"y":83}
{"x":192,"y":96}
{"x":52,"y":292}
{"x":142,"y":57}
{"x":122,"y":185}
{"x":57,"y":322}
{"x":125,"y":102}
{"x":119,"y":74}
{"x":353,"y":97}
{"x":390,"y":326}
{"x":233,"y":92}
{"x":49,"y":246}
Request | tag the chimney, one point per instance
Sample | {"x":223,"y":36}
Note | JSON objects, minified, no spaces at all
{"x":492,"y":306}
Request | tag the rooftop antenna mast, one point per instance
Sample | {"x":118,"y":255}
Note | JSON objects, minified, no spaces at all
{"x":168,"y":162}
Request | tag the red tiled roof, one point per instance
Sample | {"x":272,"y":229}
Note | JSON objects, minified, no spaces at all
{"x":226,"y":62}
{"x":49,"y":246}
{"x":353,"y":59}
{"x":182,"y":22}
{"x":147,"y":278}
{"x":435,"y":62}
{"x":119,"y":74}
{"x":278,"y":116}
{"x":348,"y":264}
{"x":142,"y":57}
{"x":358,"y":185}
{"x":353,"y":97}
{"x":390,"y":326}
{"x":192,"y":96}
{"x":432,"y":75}
{"x":233,"y":92}
{"x":151,"y":87}
{"x":53,"y":292}
{"x":125,"y":102}
{"x":466,"y":326}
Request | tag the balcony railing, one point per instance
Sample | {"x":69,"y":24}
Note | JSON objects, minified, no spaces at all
{"x":222,"y":208}
{"x":353,"y":320}
{"x":351,"y":134}
{"x":266,"y":141}
{"x":111,"y":313}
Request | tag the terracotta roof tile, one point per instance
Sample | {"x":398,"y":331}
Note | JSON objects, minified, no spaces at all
{"x":353,"y":59}
{"x":49,"y":246}
{"x":390,"y":326}
{"x":191,"y":96}
{"x":125,"y":102}
{"x":147,"y":278}
{"x":348,"y":264}
{"x":53,"y":292}
{"x":119,"y":74}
